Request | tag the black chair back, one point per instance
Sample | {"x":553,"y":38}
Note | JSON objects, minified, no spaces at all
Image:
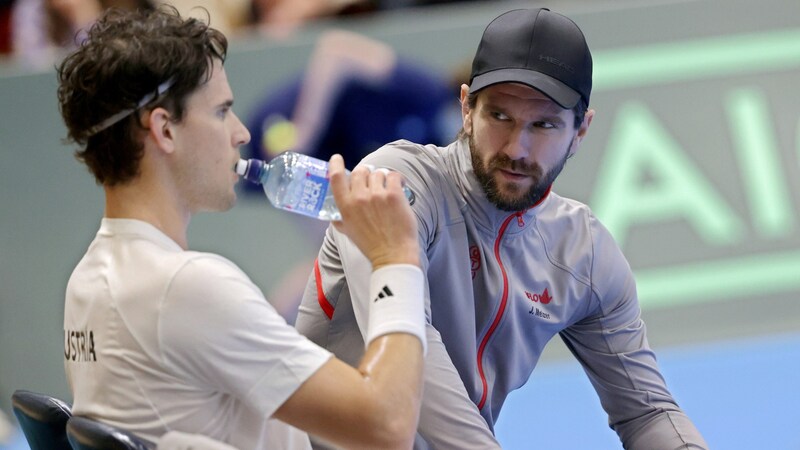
{"x":43,"y":419}
{"x":88,"y":434}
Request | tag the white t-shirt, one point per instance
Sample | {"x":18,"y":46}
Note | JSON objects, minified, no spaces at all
{"x":158,"y":339}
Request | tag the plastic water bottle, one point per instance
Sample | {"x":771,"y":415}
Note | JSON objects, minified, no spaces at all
{"x":298,"y":183}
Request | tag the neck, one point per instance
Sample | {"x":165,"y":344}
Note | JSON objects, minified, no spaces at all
{"x":149,"y":202}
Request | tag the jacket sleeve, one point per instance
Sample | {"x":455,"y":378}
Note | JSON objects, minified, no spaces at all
{"x":448,"y":418}
{"x":610,"y":343}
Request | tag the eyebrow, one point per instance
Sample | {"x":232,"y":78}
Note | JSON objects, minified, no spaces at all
{"x":223,"y":105}
{"x":546,"y":116}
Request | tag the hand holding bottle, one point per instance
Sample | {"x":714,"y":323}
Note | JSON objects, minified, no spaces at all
{"x":298,"y":183}
{"x":375,"y":213}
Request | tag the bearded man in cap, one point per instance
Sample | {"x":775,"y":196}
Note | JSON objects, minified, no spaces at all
{"x":509,"y":262}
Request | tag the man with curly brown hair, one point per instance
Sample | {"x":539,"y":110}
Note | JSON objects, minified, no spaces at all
{"x":158,"y":338}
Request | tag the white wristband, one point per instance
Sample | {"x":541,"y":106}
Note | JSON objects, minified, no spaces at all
{"x":396,"y":302}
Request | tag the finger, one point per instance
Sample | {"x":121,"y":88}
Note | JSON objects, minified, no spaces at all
{"x":394,"y":180}
{"x":336,"y":163}
{"x":377,"y":181}
{"x":369,"y":167}
{"x":359,"y":178}
{"x":338,"y":178}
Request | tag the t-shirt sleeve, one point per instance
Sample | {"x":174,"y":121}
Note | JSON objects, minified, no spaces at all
{"x":217,"y":330}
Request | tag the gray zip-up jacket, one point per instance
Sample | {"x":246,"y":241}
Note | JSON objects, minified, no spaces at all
{"x":500,"y":285}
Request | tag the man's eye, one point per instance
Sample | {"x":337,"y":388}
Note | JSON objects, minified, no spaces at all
{"x":499,"y":116}
{"x":545,"y":125}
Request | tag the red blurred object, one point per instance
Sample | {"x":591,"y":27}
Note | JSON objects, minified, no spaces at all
{"x":5,"y":29}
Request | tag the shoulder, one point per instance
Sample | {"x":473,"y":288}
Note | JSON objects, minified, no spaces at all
{"x":424,"y":166}
{"x":575,"y":236}
{"x":566,"y":218}
{"x":404,"y":152}
{"x":608,"y":268}
{"x":211,"y":265}
{"x":426,"y":169}
{"x":208,"y":280}
{"x":209,"y":295}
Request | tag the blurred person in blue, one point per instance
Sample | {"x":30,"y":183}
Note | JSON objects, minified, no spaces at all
{"x":355,"y":94}
{"x":161,"y":339}
{"x":509,"y":263}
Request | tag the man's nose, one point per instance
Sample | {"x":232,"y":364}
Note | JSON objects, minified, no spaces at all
{"x":242,"y":135}
{"x":518,"y":145}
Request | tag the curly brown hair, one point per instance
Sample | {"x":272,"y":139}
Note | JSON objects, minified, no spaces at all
{"x":126,"y":57}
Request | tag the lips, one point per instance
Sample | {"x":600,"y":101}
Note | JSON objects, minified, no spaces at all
{"x":516,"y":176}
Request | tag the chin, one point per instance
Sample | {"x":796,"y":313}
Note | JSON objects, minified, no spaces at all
{"x":512,"y":191}
{"x":222,"y":205}
{"x":229,"y":204}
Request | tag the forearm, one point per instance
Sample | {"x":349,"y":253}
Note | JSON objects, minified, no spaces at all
{"x":396,"y":343}
{"x":390,"y":362}
{"x":376,"y":406}
{"x":382,"y":395}
{"x":372,"y":406}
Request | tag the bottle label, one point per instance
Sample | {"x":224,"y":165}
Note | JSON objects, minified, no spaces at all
{"x":313,"y":192}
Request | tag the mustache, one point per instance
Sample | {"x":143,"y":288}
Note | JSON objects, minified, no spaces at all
{"x":504,"y":162}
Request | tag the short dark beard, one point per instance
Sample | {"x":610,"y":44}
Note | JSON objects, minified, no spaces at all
{"x":541,"y":183}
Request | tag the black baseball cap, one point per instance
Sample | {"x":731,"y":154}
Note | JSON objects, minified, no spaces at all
{"x":536,"y":47}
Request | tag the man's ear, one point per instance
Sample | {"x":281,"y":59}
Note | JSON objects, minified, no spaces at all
{"x":584,"y":128}
{"x":587,"y":120}
{"x":161,"y":129}
{"x":582,"y":131}
{"x":466,"y":112}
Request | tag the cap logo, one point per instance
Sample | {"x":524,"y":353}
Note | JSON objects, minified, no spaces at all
{"x":557,"y":62}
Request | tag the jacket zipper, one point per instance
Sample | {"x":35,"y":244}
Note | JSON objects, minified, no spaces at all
{"x":503,"y":301}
